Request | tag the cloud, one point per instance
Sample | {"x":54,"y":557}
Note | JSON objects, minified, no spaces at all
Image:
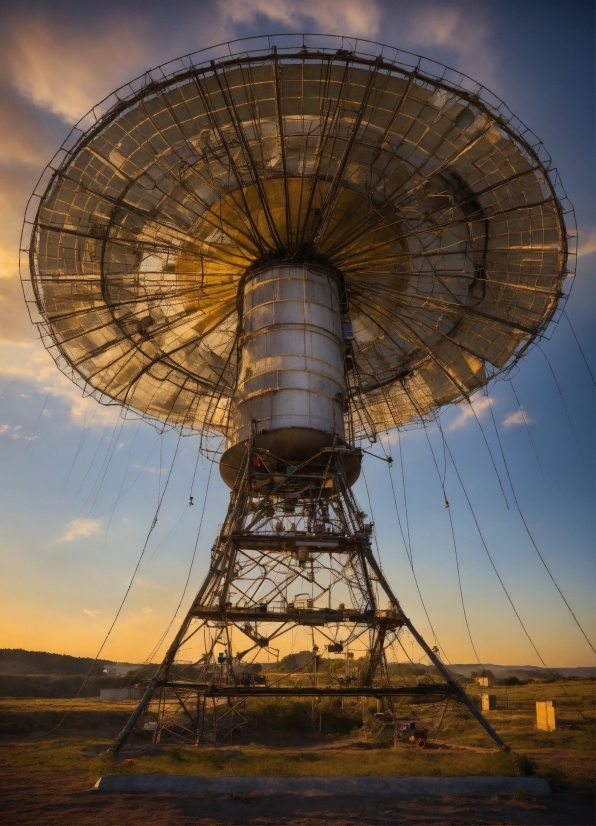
{"x":146,"y":468}
{"x":38,"y":368}
{"x":68,"y":68}
{"x":517,"y":417}
{"x":587,"y":247}
{"x":91,"y":612}
{"x":17,"y":433}
{"x":463,"y":34}
{"x":84,"y":410}
{"x":79,"y":527}
{"x":479,"y":406}
{"x":14,"y":320}
{"x":349,"y":17}
{"x":26,"y":138}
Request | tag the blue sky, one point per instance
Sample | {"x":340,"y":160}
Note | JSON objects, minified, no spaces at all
{"x":66,"y":554}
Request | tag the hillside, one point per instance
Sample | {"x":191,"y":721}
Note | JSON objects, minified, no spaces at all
{"x":524,"y":672}
{"x":19,"y":662}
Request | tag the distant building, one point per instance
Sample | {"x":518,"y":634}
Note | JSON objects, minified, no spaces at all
{"x":483,"y":682}
{"x":110,"y":670}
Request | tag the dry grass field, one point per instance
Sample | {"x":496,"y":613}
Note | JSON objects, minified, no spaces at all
{"x":47,"y":778}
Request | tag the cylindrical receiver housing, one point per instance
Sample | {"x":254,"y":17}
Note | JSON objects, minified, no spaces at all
{"x":291,"y":380}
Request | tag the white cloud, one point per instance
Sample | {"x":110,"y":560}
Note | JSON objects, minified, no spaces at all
{"x":517,"y":417}
{"x":146,"y":468}
{"x":17,"y":433}
{"x":14,"y":323}
{"x":68,"y":69}
{"x":82,"y":409}
{"x":587,"y":247}
{"x":349,"y":17}
{"x":464,"y":30}
{"x":39,"y":370}
{"x":79,"y":527}
{"x":478,"y":406}
{"x":91,"y":612}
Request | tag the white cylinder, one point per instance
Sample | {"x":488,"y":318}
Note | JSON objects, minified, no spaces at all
{"x":291,"y":372}
{"x":291,"y":378}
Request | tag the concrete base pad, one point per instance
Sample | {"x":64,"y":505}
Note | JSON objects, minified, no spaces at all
{"x":436,"y":786}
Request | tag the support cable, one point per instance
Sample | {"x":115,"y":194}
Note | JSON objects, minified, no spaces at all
{"x":564,"y":405}
{"x":32,"y":437}
{"x":461,"y":592}
{"x":370,"y":507}
{"x":523,"y":414}
{"x":192,"y":561}
{"x":101,"y":438}
{"x":107,"y":463}
{"x":490,"y":453}
{"x":133,"y":483}
{"x":194,"y":473}
{"x":580,"y":348}
{"x":84,"y":432}
{"x":171,"y":531}
{"x":408,"y":547}
{"x":506,"y":592}
{"x":113,"y":507}
{"x":532,"y":540}
{"x":124,"y":598}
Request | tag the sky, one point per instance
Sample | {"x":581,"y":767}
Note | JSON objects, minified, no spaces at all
{"x":79,"y":486}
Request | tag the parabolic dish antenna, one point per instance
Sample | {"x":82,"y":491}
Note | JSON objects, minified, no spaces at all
{"x":420,"y":191}
{"x":297,"y":243}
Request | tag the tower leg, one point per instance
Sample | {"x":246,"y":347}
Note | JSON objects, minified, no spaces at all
{"x":460,"y":693}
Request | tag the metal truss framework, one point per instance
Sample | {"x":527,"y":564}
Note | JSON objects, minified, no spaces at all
{"x":293,"y":554}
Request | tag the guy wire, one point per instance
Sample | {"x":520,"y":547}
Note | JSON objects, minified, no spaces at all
{"x":165,"y":633}
{"x":113,"y":508}
{"x":409,"y":549}
{"x":32,"y":437}
{"x":84,"y":431}
{"x":490,"y":453}
{"x":564,"y":405}
{"x":101,"y":438}
{"x":523,"y":413}
{"x":532,"y":538}
{"x":109,"y":458}
{"x":580,"y":347}
{"x":370,"y":507}
{"x":124,"y":598}
{"x":442,"y":482}
{"x":134,"y":481}
{"x":506,"y":592}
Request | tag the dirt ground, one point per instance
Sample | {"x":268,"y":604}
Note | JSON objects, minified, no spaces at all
{"x":49,"y":798}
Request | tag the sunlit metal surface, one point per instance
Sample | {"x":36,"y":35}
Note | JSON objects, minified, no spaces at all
{"x":424,"y":194}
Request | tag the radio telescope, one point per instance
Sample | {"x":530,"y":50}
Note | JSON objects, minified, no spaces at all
{"x":295,"y":243}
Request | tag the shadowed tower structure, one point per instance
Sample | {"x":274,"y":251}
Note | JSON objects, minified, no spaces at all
{"x":293,"y":244}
